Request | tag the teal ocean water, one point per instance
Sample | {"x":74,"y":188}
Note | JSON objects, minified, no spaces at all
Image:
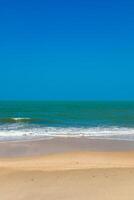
{"x":37,"y":119}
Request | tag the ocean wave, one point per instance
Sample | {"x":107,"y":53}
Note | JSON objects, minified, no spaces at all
{"x":52,"y":132}
{"x":16,"y":120}
{"x":20,"y":119}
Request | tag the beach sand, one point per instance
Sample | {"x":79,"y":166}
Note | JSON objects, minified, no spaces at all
{"x":68,"y":175}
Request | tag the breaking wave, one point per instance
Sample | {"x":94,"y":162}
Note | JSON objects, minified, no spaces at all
{"x":20,"y":131}
{"x":15,"y":120}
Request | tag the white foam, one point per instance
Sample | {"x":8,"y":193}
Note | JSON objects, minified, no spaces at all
{"x":20,"y":118}
{"x":96,"y":132}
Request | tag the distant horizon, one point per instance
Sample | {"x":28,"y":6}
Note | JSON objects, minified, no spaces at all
{"x":69,"y":100}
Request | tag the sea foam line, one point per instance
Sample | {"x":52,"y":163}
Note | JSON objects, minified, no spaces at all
{"x":105,"y":132}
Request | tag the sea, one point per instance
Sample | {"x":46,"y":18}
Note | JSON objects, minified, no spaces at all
{"x":27,"y":120}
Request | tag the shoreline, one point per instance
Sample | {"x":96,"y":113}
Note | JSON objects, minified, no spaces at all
{"x":64,"y":137}
{"x":62,"y":145}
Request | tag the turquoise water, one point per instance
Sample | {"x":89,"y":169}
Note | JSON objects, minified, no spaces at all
{"x":32,"y":119}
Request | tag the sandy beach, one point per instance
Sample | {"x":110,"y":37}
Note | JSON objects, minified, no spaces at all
{"x":70,"y":175}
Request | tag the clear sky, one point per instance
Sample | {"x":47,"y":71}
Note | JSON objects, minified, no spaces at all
{"x":67,"y":49}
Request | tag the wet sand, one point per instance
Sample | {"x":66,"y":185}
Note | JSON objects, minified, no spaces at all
{"x":59,"y":145}
{"x":77,"y":170}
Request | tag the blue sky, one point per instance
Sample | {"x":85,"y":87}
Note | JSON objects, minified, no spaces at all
{"x":67,"y":50}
